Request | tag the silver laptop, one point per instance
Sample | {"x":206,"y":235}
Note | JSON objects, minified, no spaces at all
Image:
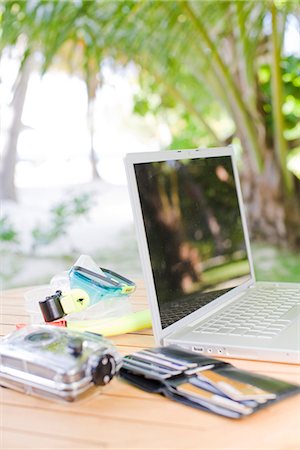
{"x":197,"y":262}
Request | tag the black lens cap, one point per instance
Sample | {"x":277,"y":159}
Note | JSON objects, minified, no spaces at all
{"x":103,"y":371}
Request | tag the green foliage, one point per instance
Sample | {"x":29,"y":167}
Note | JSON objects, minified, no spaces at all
{"x":273,"y":264}
{"x":291,"y":107}
{"x":195,"y":56}
{"x":188,"y":134}
{"x":159,"y":97}
{"x":8,"y":233}
{"x":61,"y":217}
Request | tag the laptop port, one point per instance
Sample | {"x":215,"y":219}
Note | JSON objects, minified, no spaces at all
{"x":198,"y":349}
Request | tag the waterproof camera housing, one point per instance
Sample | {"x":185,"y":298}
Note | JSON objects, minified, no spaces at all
{"x":55,"y":362}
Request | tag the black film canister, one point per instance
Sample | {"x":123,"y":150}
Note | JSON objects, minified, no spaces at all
{"x":51,"y":308}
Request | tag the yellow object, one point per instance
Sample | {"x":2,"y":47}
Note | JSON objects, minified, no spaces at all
{"x":127,"y":289}
{"x":112,"y":327}
{"x":75,"y":300}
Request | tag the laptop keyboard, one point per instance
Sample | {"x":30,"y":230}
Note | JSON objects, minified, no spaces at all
{"x":173,"y":311}
{"x":264,"y":313}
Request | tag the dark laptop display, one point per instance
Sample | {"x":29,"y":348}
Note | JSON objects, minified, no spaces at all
{"x":194,"y":232}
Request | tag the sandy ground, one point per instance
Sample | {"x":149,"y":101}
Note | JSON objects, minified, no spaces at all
{"x":106,"y":233}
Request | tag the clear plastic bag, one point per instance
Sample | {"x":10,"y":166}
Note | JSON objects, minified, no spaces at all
{"x":108,"y":293}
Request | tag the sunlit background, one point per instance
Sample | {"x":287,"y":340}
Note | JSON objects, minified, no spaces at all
{"x":66,"y":204}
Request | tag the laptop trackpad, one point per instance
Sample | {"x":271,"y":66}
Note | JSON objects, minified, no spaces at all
{"x":292,"y":313}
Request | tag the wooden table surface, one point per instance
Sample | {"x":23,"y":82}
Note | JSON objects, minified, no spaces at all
{"x":124,"y":417}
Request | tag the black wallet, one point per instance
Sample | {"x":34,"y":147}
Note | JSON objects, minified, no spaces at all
{"x":202,"y":382}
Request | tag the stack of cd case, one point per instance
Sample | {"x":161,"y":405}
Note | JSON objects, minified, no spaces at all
{"x":202,"y":382}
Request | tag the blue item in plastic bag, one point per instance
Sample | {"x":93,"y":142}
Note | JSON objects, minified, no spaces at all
{"x":100,"y":287}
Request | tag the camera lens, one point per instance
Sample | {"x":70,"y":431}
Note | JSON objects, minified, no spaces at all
{"x":104,"y":370}
{"x":40,"y":337}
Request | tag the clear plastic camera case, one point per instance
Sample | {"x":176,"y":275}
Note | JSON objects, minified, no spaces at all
{"x":56,"y":362}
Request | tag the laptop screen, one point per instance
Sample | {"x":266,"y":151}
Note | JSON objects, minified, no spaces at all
{"x":194,"y":232}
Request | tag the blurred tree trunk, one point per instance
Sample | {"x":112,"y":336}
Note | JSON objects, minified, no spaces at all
{"x":91,"y":86}
{"x":9,"y":158}
{"x":273,"y":214}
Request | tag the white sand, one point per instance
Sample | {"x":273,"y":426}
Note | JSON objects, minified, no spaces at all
{"x":106,"y":233}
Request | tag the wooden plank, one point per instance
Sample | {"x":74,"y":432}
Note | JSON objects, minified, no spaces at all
{"x":139,"y":408}
{"x":18,"y":291}
{"x":13,"y":312}
{"x":16,"y":301}
{"x":13,"y":438}
{"x":12,"y":319}
{"x":66,"y":423}
{"x":12,"y":309}
{"x":133,"y":340}
{"x":195,"y":427}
